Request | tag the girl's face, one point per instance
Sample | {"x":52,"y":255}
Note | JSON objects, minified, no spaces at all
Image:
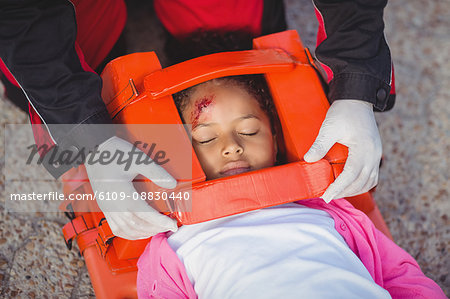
{"x":231,"y":134}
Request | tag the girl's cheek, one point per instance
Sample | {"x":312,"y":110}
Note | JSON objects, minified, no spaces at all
{"x":205,"y":154}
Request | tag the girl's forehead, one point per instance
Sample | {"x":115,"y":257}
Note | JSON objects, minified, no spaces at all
{"x":212,"y":97}
{"x":209,"y":91}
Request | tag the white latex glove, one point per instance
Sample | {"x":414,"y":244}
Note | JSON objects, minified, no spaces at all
{"x":351,"y":123}
{"x":128,"y":218}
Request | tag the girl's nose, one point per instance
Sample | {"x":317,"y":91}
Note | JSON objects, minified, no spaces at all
{"x":232,"y":148}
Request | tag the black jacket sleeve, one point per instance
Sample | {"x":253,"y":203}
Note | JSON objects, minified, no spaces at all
{"x":37,"y":44}
{"x":355,"y":49}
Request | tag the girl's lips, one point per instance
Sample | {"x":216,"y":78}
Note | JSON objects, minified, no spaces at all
{"x":235,"y":167}
{"x":235,"y":171}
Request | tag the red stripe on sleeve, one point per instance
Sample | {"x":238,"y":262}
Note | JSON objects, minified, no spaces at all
{"x":321,"y":36}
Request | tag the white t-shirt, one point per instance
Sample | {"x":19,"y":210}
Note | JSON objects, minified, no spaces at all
{"x":287,"y":251}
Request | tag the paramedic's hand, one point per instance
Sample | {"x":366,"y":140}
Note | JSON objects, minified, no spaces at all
{"x":128,"y":218}
{"x":351,"y":123}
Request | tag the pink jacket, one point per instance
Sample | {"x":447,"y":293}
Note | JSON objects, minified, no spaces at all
{"x":162,"y":275}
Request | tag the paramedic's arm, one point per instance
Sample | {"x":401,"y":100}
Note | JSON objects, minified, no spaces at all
{"x":37,"y":44}
{"x":356,"y":58}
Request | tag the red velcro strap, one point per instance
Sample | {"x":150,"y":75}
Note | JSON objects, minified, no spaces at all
{"x":224,"y":198}
{"x":104,"y":238}
{"x":75,"y":227}
{"x":87,"y":239}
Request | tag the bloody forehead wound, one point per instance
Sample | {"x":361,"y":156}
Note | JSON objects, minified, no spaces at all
{"x":199,"y":106}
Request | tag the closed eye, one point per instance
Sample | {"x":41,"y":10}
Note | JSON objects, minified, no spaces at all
{"x":249,"y":134}
{"x":206,"y":141}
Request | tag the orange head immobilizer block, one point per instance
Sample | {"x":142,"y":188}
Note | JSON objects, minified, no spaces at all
{"x":137,"y":91}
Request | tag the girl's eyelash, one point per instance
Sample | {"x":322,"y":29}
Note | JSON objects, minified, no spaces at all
{"x":249,"y":134}
{"x":206,"y":141}
{"x":244,"y":134}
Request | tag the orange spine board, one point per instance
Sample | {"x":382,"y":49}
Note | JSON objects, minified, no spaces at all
{"x":137,"y":91}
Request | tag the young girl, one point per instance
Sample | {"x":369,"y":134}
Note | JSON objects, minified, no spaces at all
{"x":307,"y":249}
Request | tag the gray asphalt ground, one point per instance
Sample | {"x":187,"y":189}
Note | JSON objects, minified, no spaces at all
{"x":413,"y":191}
